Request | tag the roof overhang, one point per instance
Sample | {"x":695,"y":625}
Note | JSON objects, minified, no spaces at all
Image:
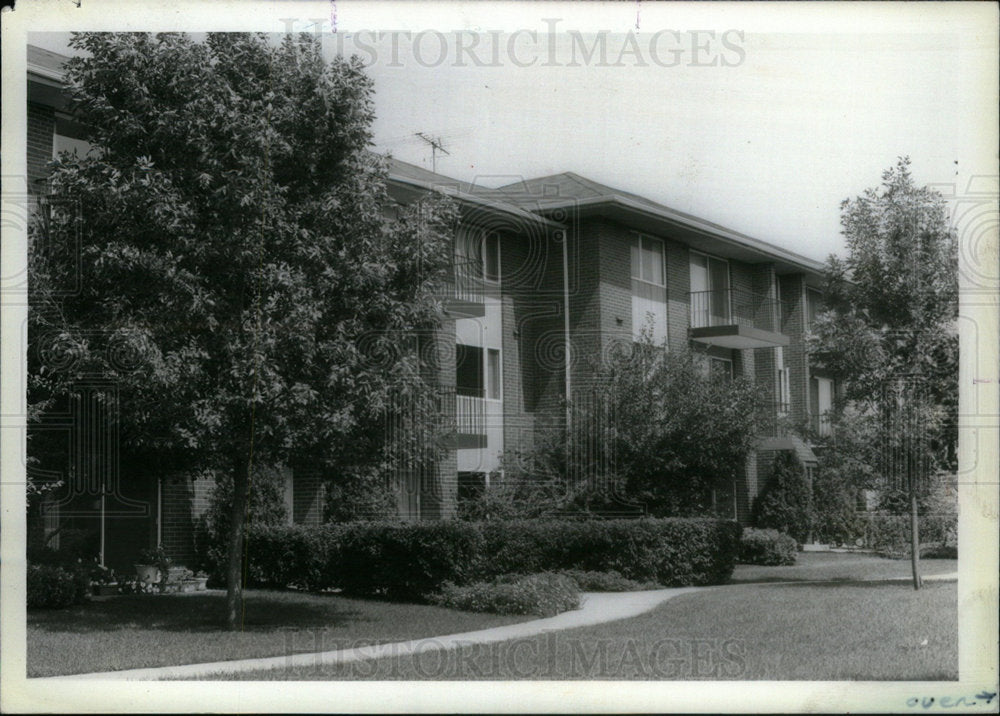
{"x":687,"y":229}
{"x":406,"y":189}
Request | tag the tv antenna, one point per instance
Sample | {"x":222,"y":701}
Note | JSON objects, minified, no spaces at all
{"x":435,"y":148}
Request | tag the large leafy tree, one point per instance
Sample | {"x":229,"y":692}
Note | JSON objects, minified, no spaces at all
{"x":233,"y":235}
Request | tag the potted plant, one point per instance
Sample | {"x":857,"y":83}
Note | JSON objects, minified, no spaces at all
{"x":103,"y":581}
{"x":153,"y":567}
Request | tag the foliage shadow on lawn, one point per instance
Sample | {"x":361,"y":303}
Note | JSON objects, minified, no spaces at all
{"x":195,"y":613}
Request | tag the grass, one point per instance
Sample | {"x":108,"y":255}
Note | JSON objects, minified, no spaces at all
{"x":843,"y":629}
{"x":840,"y":566}
{"x":161,"y":630}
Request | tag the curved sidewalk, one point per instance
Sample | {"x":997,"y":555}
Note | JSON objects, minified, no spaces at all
{"x":597,"y":608}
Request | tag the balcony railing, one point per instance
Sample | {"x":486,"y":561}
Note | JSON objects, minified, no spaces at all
{"x":465,"y":281}
{"x":729,"y":307}
{"x":470,"y":415}
{"x":775,"y":421}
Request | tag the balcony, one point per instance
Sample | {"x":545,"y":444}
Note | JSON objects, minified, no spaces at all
{"x":463,"y":290}
{"x":730,"y":318}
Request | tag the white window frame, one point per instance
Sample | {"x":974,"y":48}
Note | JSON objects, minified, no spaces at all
{"x":663,"y":259}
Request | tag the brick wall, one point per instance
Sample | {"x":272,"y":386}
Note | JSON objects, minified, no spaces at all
{"x":41,"y":127}
{"x":678,"y":294}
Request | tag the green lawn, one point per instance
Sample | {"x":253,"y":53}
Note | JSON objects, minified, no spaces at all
{"x":161,"y":630}
{"x":844,"y":629}
{"x":840,"y":566}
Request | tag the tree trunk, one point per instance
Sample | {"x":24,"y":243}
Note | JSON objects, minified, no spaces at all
{"x":914,"y":539}
{"x":234,"y":570}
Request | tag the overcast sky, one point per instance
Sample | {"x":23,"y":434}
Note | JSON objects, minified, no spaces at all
{"x":759,"y":120}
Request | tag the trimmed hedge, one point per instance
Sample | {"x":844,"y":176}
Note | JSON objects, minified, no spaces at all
{"x":767,"y":547}
{"x":410,"y":561}
{"x":52,"y":587}
{"x":671,"y":552}
{"x":545,"y":595}
{"x":889,"y":535}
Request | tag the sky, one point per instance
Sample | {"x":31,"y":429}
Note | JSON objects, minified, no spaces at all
{"x":758,"y":120}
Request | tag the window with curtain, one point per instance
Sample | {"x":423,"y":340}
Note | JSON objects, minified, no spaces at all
{"x":649,"y":288}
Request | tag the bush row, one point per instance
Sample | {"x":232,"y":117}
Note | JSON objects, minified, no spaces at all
{"x":544,"y":595}
{"x":767,"y":547}
{"x":410,"y":561}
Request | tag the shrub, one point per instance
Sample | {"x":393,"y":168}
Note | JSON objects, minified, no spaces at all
{"x":545,"y":595}
{"x":671,"y":552}
{"x":612,"y":581}
{"x":785,"y":503}
{"x":52,"y":587}
{"x":889,"y":535}
{"x":767,"y":547}
{"x":292,"y":555}
{"x":405,"y":561}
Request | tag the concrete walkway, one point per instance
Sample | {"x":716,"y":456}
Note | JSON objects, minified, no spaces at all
{"x":597,"y":608}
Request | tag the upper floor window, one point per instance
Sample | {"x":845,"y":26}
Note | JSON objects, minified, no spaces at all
{"x":649,"y":292}
{"x":784,"y":389}
{"x":814,"y":304}
{"x":821,"y":395}
{"x":710,"y":300}
{"x":481,"y":251}
{"x":647,"y":260}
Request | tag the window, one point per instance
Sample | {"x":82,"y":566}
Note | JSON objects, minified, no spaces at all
{"x":721,"y":369}
{"x":814,"y":304}
{"x":473,"y":377}
{"x":649,"y":293}
{"x":491,"y":257}
{"x":647,"y":260}
{"x":821,"y":391}
{"x":493,"y":374}
{"x":709,"y":291}
{"x":715,"y":368}
{"x":469,"y":370}
{"x":482,"y":251}
{"x":784,"y":392}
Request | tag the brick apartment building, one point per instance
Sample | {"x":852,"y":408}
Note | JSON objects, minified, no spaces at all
{"x":549,"y":274}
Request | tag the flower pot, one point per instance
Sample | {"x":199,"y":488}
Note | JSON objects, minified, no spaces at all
{"x":106,"y":590}
{"x":147,"y":573}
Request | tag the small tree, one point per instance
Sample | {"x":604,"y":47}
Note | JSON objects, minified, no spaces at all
{"x":785,"y":503}
{"x":652,"y":433}
{"x":890,"y":331}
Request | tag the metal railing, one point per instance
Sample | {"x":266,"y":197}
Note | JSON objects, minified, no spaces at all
{"x":470,"y":415}
{"x":775,"y":421}
{"x":730,"y":306}
{"x":464,"y":282}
